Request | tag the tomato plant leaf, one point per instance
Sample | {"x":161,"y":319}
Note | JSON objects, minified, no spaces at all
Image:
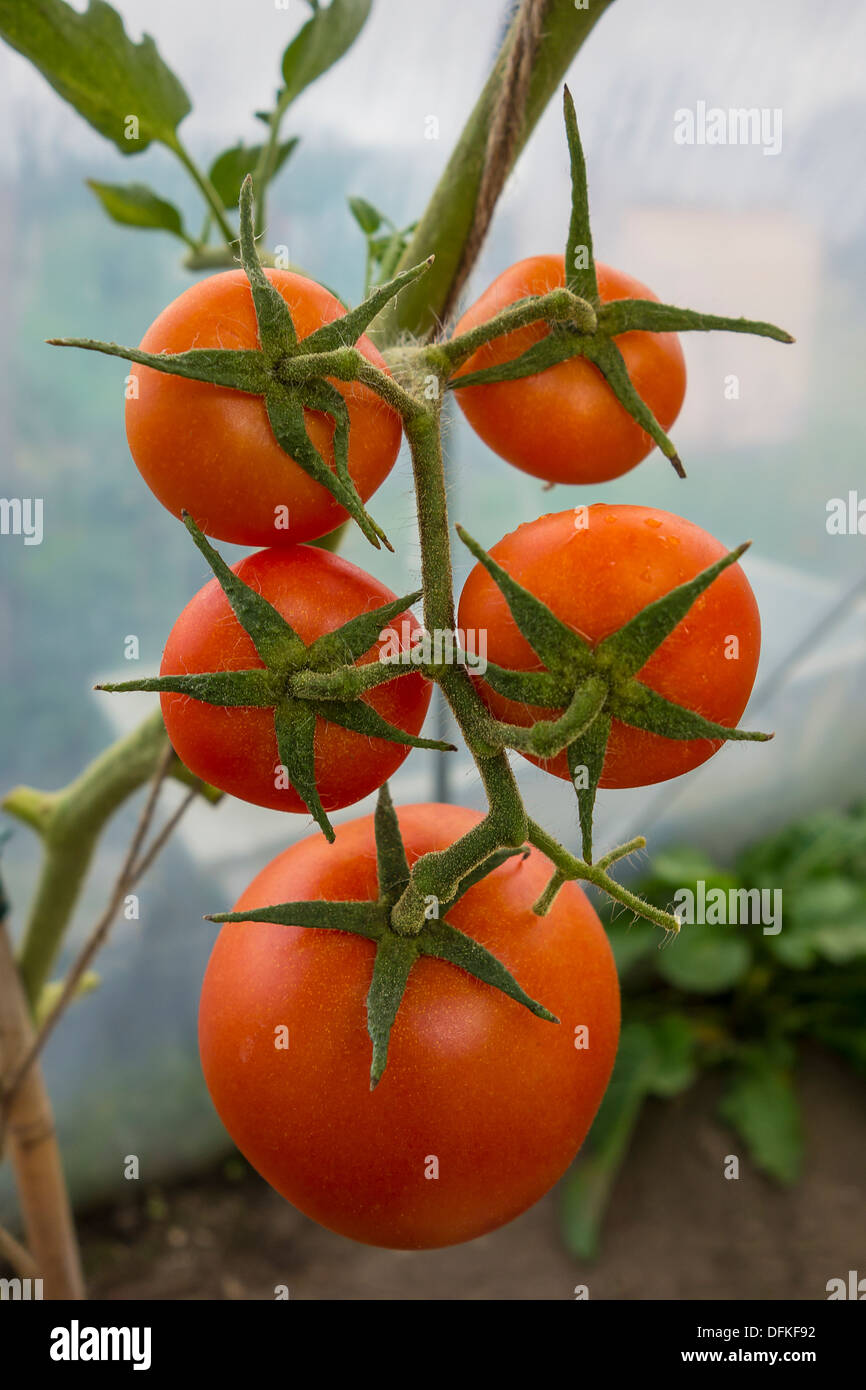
{"x":559,"y":647}
{"x":123,"y":89}
{"x":364,"y":719}
{"x":529,"y":687}
{"x":631,"y":646}
{"x":286,"y":416}
{"x":238,"y":369}
{"x":705,"y":959}
{"x":580,"y":275}
{"x":585,"y":762}
{"x":360,"y":918}
{"x":230,"y":168}
{"x":321,"y":395}
{"x":320,"y":44}
{"x":445,"y":942}
{"x":136,"y":205}
{"x":229,"y":689}
{"x":395,"y":957}
{"x":368,"y":218}
{"x":626,"y":315}
{"x":643,"y":708}
{"x":275,"y":640}
{"x":295,"y":728}
{"x":355,"y":638}
{"x":604,"y":354}
{"x":555,"y":347}
{"x":760,"y":1104}
{"x":391,"y":863}
{"x":273,"y":316}
{"x":587,"y":1187}
{"x":348,"y":328}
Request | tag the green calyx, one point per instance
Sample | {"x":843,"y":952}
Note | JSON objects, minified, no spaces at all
{"x":396,"y":954}
{"x":580,"y":325}
{"x":595,"y":685}
{"x":292,"y":375}
{"x":300,"y":683}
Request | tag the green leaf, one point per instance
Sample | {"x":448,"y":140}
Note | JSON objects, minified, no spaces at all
{"x":655,"y":1059}
{"x":588,"y":751}
{"x":445,"y":942}
{"x":355,"y":638}
{"x":588,"y":1186}
{"x":368,"y":218}
{"x":395,"y":957}
{"x":136,"y":205}
{"x":760,"y":1104}
{"x":89,"y":60}
{"x":582,"y":281}
{"x":295,"y":728}
{"x":321,"y":43}
{"x":681,"y":866}
{"x":392,"y":866}
{"x":641,"y":707}
{"x":632,"y":645}
{"x":673,"y":1067}
{"x":554,"y":643}
{"x":274,"y":639}
{"x":705,"y":959}
{"x":230,"y":168}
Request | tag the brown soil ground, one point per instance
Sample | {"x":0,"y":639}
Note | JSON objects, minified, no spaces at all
{"x":676,"y":1228}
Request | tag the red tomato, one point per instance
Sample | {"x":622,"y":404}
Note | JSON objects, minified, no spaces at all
{"x":212,"y":451}
{"x":565,"y":424}
{"x":236,"y":749}
{"x":482,"y":1105}
{"x":595,"y":580}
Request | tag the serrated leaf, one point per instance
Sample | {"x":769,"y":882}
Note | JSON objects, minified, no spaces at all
{"x":760,"y":1104}
{"x":705,"y":959}
{"x":321,"y":43}
{"x":136,"y":205}
{"x":230,"y":168}
{"x":92,"y":63}
{"x":368,"y":218}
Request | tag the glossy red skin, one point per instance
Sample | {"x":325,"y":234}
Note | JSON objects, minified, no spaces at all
{"x":501,"y":1098}
{"x":212,"y":451}
{"x":236,"y":749}
{"x":596,"y":580}
{"x":565,"y":424}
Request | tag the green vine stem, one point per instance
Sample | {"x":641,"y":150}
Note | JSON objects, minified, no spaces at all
{"x":445,"y":226}
{"x":69,"y":823}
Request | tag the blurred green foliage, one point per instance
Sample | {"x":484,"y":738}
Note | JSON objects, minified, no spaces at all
{"x":736,"y":999}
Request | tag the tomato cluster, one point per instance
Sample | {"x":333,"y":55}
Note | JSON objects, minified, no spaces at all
{"x":484,"y":1103}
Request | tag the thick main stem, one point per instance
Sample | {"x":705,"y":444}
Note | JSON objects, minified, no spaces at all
{"x":439,"y":874}
{"x":32,"y":1146}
